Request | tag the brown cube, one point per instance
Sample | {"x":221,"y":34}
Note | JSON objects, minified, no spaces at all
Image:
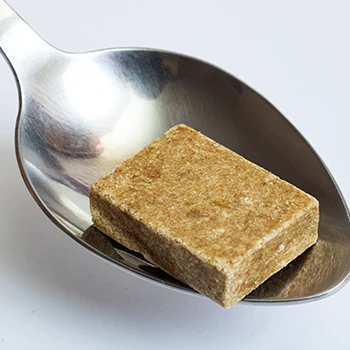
{"x":204,"y":214}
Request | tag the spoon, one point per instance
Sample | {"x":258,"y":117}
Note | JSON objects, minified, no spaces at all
{"x":81,"y":114}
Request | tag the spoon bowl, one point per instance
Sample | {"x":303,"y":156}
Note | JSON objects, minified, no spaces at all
{"x":81,"y":114}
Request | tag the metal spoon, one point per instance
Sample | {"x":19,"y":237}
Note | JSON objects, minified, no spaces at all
{"x":80,"y":114}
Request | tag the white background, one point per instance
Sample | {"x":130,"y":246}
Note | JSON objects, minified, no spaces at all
{"x":55,"y":295}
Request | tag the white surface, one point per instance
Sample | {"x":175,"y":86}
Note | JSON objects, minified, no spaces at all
{"x":55,"y":295}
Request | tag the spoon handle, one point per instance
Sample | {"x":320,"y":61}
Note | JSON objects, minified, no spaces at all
{"x":19,"y":43}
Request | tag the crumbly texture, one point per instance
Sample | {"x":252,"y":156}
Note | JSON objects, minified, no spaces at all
{"x":204,"y":214}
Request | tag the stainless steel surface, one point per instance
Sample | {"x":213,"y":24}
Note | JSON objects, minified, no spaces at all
{"x":81,"y":114}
